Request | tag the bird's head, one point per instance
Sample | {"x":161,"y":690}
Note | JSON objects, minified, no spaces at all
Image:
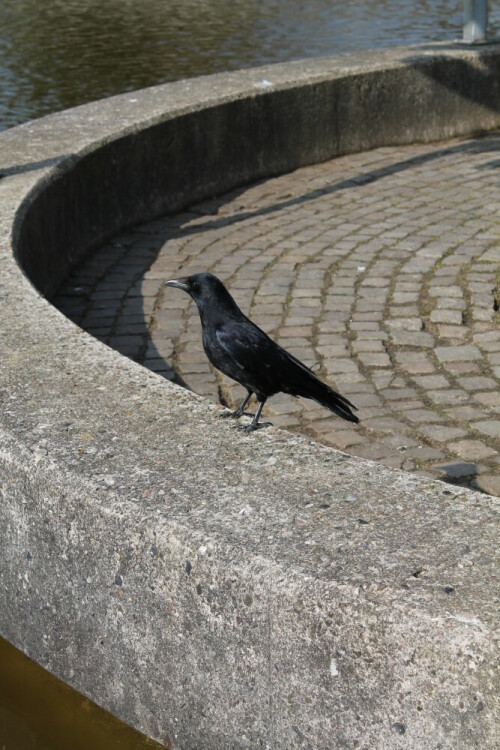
{"x":203,"y":288}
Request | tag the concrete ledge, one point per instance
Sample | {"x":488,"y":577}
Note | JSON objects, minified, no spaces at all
{"x":216,"y":590}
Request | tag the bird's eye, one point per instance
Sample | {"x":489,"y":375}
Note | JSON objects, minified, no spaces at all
{"x":195,"y":286}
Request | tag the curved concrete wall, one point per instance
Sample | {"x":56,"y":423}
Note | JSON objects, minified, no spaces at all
{"x":216,"y":590}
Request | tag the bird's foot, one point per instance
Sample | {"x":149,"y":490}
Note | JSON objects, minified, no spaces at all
{"x":231,"y":414}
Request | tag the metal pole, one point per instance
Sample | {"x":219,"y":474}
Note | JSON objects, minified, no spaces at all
{"x":475,"y":21}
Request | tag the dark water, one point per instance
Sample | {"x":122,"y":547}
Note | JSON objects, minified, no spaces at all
{"x":55,"y":54}
{"x":38,"y":712}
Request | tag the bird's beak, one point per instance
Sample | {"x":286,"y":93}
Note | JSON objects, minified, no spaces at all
{"x":179,"y":283}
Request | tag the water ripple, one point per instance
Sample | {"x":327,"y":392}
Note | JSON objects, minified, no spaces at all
{"x":61,"y":53}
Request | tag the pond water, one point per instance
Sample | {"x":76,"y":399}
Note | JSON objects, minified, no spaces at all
{"x":59,"y":53}
{"x":38,"y":712}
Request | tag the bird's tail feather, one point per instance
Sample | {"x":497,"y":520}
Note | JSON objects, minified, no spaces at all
{"x":330,"y":399}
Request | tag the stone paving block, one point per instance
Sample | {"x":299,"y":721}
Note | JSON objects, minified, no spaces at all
{"x":405,"y":324}
{"x":431,"y":381}
{"x":472,"y":450}
{"x":403,"y":311}
{"x":293,"y":331}
{"x":371,"y":336}
{"x":333,"y":351}
{"x":341,"y":439}
{"x":110,"y":294}
{"x":376,"y":281}
{"x":374,"y":451}
{"x":424,"y":453}
{"x":477,"y":383}
{"x":461,"y":368}
{"x":371,"y":316}
{"x":421,"y":365}
{"x":457,"y":333}
{"x":464,"y":413}
{"x":441,"y":433}
{"x":450,"y":303}
{"x":394,"y":394}
{"x":405,"y":405}
{"x":369,"y":305}
{"x":412,"y":338}
{"x":445,"y":396}
{"x":399,"y":442}
{"x":296,"y":320}
{"x":189,"y":368}
{"x":386,"y":425}
{"x":191,"y":357}
{"x":457,"y":353}
{"x":339,"y":365}
{"x":368,"y":346}
{"x":95,"y":318}
{"x":489,"y":483}
{"x":286,"y":406}
{"x":488,"y":339}
{"x":493,"y":255}
{"x":382,"y":378}
{"x":490,"y":427}
{"x":374,"y":359}
{"x":157,"y":364}
{"x":159,"y":347}
{"x":124,"y":328}
{"x":347,"y":382}
{"x":401,"y":298}
{"x":488,"y":398}
{"x":394,"y":461}
{"x":365,"y":326}
{"x":445,"y":291}
{"x":407,"y":286}
{"x":483,"y":314}
{"x":128,"y":340}
{"x":366,"y":399}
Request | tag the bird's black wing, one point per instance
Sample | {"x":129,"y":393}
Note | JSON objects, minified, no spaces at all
{"x":266,"y":368}
{"x":248,"y":355}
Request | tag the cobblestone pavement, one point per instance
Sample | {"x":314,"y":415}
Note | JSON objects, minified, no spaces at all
{"x":381,"y":270}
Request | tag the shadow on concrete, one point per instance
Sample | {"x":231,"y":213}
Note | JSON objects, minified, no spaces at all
{"x":472,"y":82}
{"x":103,"y":294}
{"x":33,"y":166}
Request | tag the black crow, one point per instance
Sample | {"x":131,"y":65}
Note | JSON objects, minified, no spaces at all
{"x":241,"y":350}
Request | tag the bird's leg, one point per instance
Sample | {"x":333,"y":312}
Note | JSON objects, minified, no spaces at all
{"x":255,"y":421}
{"x":241,"y":408}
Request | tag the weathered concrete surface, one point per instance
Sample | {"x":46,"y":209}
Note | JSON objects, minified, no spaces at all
{"x":216,"y":590}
